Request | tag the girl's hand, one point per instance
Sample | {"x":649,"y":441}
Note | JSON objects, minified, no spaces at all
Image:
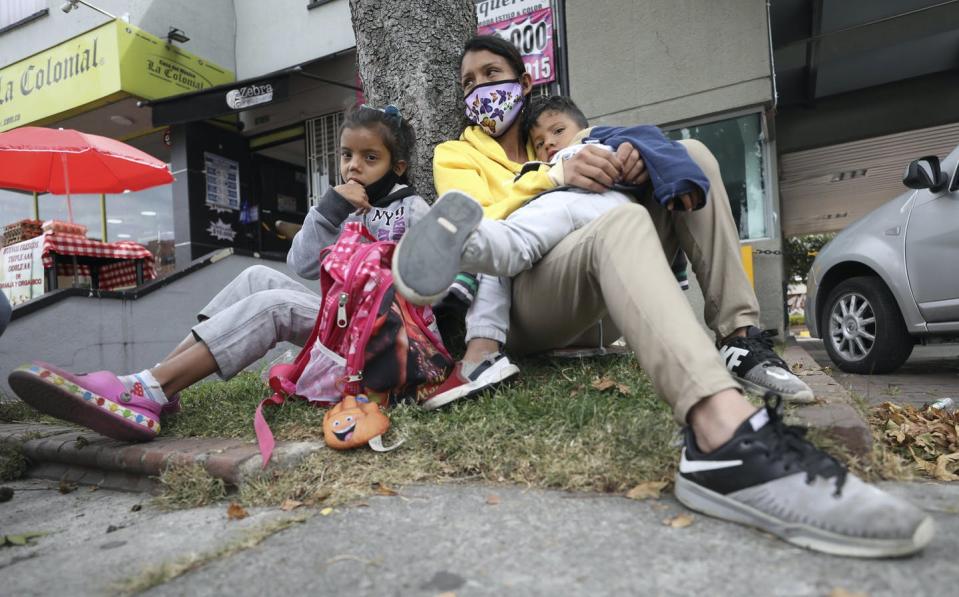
{"x":593,"y":169}
{"x":355,"y":194}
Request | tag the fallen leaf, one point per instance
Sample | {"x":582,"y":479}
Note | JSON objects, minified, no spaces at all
{"x":492,"y":500}
{"x":941,"y":472}
{"x":21,"y":539}
{"x":67,"y":487}
{"x":235,"y":512}
{"x":602,"y":384}
{"x":839,"y":592}
{"x":288,"y":505}
{"x":647,"y":490}
{"x":680,"y":521}
{"x":326,"y":511}
{"x":384,"y":489}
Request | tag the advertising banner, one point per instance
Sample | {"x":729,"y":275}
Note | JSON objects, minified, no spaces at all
{"x":222,"y":181}
{"x":21,"y":270}
{"x":96,"y":67}
{"x":528,"y":25}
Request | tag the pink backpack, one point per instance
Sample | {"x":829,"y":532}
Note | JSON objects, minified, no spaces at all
{"x":367,"y":338}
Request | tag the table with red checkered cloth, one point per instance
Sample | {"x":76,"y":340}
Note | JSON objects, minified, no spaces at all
{"x":112,"y":275}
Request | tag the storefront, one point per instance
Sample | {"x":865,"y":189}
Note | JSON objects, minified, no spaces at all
{"x":268,"y":143}
{"x":92,"y":83}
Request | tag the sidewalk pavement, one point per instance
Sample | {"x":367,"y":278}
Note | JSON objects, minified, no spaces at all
{"x":435,"y":540}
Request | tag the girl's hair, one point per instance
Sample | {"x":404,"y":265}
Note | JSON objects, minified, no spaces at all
{"x":397,"y":132}
{"x":498,"y":46}
{"x":506,"y":50}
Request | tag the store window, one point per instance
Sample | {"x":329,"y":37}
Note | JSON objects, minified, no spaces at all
{"x":739,"y":147}
{"x":14,"y":207}
{"x":145,"y":217}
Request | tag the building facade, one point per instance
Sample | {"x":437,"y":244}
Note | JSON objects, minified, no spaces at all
{"x":811,"y":108}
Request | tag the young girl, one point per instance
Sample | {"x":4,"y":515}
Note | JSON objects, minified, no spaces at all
{"x":260,"y":307}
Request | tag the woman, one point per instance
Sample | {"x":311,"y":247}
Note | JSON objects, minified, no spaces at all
{"x":738,"y":463}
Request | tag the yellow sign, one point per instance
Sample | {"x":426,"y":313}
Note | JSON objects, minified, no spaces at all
{"x":99,"y":66}
{"x":746,"y":252}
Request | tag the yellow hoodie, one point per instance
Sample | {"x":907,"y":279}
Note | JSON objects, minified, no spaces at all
{"x":477,"y":165}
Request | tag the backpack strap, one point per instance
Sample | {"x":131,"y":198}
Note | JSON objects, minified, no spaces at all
{"x":264,"y":436}
{"x":407,"y":191}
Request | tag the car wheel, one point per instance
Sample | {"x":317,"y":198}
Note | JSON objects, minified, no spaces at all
{"x":862,"y":328}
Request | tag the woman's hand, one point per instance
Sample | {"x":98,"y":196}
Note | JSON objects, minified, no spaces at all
{"x":634,"y":168}
{"x":593,"y":169}
{"x":685,"y":202}
{"x":355,"y":195}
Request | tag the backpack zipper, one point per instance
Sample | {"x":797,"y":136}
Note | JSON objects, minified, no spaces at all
{"x":341,"y":320}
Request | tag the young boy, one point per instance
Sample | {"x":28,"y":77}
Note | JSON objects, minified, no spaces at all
{"x":453,"y":236}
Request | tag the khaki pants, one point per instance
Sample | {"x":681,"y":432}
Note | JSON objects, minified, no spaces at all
{"x":614,"y":269}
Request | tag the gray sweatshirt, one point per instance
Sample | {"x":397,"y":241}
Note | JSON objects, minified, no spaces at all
{"x":324,"y":223}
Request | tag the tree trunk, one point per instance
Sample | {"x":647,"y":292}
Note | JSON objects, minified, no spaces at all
{"x":408,"y":54}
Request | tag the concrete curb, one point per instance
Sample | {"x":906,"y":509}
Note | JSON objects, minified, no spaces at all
{"x":834,"y":412}
{"x":79,"y":456}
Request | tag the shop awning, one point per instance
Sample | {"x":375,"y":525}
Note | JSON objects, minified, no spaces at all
{"x":231,"y":98}
{"x":106,"y":64}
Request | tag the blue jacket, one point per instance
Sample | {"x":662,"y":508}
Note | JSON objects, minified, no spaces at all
{"x":671,"y":171}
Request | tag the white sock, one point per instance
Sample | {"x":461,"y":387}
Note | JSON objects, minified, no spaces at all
{"x":144,"y":384}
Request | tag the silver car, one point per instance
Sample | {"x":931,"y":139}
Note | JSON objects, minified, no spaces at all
{"x":891,"y":280}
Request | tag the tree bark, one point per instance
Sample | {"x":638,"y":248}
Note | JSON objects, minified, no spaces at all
{"x":408,"y":55}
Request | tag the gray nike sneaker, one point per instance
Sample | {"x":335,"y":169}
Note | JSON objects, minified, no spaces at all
{"x":754,"y":363}
{"x":770,"y":477}
{"x":427,"y":258}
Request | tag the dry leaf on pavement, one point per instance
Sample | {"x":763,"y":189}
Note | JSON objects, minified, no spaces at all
{"x":840,"y":592}
{"x":383,"y":489}
{"x":66,"y":486}
{"x":290,"y":504}
{"x":235,"y":511}
{"x":326,"y":511}
{"x":492,"y":500}
{"x":647,"y":490}
{"x":680,"y":521}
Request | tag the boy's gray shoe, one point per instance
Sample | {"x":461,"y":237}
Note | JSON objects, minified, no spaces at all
{"x":769,"y":476}
{"x":427,"y":258}
{"x":754,"y":363}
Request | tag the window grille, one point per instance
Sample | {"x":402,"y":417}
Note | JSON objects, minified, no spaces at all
{"x":322,"y":153}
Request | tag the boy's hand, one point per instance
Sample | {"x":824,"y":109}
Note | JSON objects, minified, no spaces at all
{"x":355,"y":195}
{"x":634,"y":168}
{"x":592,"y":169}
{"x":685,"y":202}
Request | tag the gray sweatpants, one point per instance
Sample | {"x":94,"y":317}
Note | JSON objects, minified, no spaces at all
{"x":259,"y":308}
{"x":511,"y":246}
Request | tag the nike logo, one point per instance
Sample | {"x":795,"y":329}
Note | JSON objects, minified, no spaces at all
{"x":697,"y":466}
{"x":733,"y":356}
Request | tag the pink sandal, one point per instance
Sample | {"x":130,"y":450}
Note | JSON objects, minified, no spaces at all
{"x":97,"y":400}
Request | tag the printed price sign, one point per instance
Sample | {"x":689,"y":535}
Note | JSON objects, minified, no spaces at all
{"x":532,"y":34}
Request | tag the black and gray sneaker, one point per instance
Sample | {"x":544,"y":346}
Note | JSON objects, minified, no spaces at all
{"x":754,"y":363}
{"x":769,"y":476}
{"x":427,"y":258}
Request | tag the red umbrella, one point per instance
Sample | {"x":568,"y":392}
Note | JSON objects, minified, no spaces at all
{"x":64,"y":161}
